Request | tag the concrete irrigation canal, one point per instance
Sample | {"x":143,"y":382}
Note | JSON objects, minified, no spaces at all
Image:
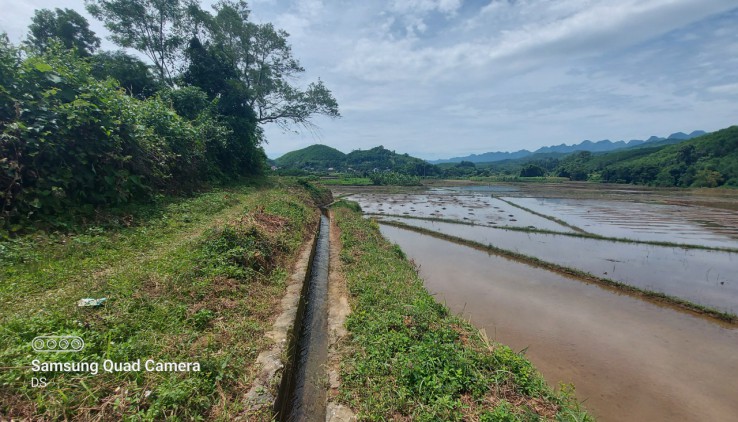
{"x":303,"y":362}
{"x":303,"y":384}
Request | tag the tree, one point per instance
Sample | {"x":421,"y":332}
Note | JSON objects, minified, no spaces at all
{"x":687,"y":154}
{"x":263,"y":59}
{"x":133,"y":74}
{"x":532,"y":170}
{"x":156,"y":28}
{"x":210,"y":68}
{"x":64,"y":25}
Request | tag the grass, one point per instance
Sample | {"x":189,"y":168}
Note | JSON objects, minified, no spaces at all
{"x":408,"y":358}
{"x":197,"y":281}
{"x":347,"y":181}
{"x":504,"y":178}
{"x":581,"y":275}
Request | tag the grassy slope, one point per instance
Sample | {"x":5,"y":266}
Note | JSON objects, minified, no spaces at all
{"x":408,"y":358}
{"x":199,"y":281}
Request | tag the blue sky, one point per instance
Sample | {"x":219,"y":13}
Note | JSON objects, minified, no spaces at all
{"x":442,"y":78}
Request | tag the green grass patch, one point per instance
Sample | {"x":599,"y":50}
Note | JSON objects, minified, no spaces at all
{"x":407,"y":357}
{"x":347,"y":181}
{"x":198,"y":281}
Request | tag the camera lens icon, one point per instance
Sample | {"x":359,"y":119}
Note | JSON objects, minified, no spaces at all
{"x":58,"y":344}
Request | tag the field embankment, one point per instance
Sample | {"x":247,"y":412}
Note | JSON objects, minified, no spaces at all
{"x":406,"y":357}
{"x":198,"y":281}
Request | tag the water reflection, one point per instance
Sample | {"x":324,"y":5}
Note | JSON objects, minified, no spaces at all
{"x":629,"y":359}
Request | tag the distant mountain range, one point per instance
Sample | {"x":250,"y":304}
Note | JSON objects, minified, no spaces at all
{"x":600,"y":146}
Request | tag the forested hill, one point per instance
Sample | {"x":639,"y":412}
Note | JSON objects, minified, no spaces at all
{"x":315,"y":156}
{"x":707,"y":161}
{"x":321,"y":158}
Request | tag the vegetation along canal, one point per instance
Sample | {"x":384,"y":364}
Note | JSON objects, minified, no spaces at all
{"x":306,"y":390}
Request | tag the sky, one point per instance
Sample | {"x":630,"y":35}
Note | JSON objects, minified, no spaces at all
{"x":446,"y":78}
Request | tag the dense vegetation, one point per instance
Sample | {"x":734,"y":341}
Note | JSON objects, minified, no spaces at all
{"x":707,"y":161}
{"x":319,"y":158}
{"x":82,"y":130}
{"x":408,"y":358}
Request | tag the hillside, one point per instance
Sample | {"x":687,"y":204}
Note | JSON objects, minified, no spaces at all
{"x":707,"y":161}
{"x":381,"y":159}
{"x":599,"y":146}
{"x":319,"y":157}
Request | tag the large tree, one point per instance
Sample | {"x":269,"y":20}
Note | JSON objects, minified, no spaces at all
{"x":65,"y":26}
{"x":250,"y":63}
{"x":157,"y":28}
{"x":263,"y":60}
{"x":133,"y":74}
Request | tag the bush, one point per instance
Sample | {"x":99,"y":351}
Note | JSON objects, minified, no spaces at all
{"x":70,"y":143}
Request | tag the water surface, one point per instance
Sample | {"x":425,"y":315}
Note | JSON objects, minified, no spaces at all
{"x":308,"y":399}
{"x":705,"y":277}
{"x":642,"y":220}
{"x":629,"y":359}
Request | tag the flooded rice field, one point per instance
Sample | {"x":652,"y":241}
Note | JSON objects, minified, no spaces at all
{"x":479,"y":209}
{"x":629,"y":359}
{"x":642,"y":221}
{"x":704,"y":277}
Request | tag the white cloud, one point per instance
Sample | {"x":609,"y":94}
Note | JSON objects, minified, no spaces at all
{"x":424,"y":6}
{"x":446,"y":77}
{"x":727,"y":89}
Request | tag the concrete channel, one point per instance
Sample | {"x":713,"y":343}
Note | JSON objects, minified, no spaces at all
{"x":302,"y":395}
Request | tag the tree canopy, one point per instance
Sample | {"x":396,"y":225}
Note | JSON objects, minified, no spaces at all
{"x":260,"y":58}
{"x":133,"y":74}
{"x":71,"y":140}
{"x":65,"y":26}
{"x":156,"y":28}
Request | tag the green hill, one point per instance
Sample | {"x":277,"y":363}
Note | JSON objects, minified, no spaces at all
{"x":707,"y":161}
{"x":381,"y":159}
{"x":321,"y":158}
{"x":315,"y":157}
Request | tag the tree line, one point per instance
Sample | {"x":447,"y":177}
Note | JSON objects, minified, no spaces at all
{"x":82,"y":128}
{"x":707,"y":161}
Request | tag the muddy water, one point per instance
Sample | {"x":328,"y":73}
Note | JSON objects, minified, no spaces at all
{"x":705,"y":277}
{"x":479,"y":209}
{"x":642,"y":221}
{"x":629,"y":359}
{"x":308,"y":399}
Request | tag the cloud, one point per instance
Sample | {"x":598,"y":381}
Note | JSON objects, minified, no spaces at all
{"x":727,"y":89}
{"x":445,"y":77}
{"x":448,"y":7}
